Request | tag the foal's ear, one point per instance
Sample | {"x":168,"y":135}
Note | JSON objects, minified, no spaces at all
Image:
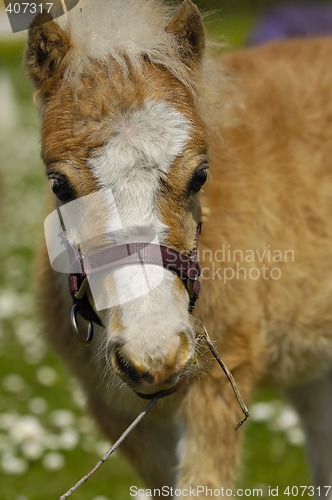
{"x":187,"y":26}
{"x":46,"y":49}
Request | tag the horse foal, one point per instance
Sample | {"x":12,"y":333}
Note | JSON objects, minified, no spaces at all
{"x":134,"y":108}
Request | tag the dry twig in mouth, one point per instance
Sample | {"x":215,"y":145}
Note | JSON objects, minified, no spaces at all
{"x":152,"y":403}
{"x":228,"y":374}
{"x":112,"y":449}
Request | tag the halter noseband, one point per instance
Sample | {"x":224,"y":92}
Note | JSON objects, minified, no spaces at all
{"x":186,"y":267}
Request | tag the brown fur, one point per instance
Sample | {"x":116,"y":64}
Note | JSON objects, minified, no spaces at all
{"x":47,"y":48}
{"x":188,"y":29}
{"x":269,"y":147}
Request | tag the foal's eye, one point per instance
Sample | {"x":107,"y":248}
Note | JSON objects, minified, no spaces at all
{"x":198,"y":178}
{"x":61,"y":187}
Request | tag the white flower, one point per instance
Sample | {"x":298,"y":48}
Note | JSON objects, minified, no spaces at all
{"x":62,"y":418}
{"x":32,"y":450}
{"x":85,"y":425}
{"x":38,"y":406}
{"x":46,"y":375}
{"x":26,"y":332}
{"x":285,"y":420}
{"x":35,"y":353}
{"x":9,"y":301}
{"x":7,"y":420}
{"x":13,"y":465}
{"x":13,"y":383}
{"x":262,"y":412}
{"x":53,"y":461}
{"x":296,"y":436}
{"x":69,"y":438}
{"x":25,"y":428}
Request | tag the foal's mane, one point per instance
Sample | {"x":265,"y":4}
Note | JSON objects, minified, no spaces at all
{"x":122,"y":31}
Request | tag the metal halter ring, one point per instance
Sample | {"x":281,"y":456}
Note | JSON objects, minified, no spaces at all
{"x":73,"y":319}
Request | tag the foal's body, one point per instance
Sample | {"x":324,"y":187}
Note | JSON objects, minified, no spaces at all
{"x":270,"y":151}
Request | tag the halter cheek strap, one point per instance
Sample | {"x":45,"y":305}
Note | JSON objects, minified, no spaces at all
{"x":186,"y":267}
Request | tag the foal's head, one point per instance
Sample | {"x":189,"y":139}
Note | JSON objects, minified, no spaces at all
{"x":116,"y":85}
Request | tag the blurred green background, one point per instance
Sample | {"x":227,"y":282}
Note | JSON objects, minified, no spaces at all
{"x":47,"y":441}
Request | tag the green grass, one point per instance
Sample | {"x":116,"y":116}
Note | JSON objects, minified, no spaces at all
{"x":232,"y":28}
{"x":269,"y":457}
{"x":271,"y":460}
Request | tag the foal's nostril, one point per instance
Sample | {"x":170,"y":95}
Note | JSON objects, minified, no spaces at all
{"x":128,"y":369}
{"x":184,"y":350}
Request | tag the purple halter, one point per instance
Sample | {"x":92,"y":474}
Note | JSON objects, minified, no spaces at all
{"x":185,"y":266}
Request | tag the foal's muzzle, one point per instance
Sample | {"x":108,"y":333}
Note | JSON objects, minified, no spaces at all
{"x":149,"y":377}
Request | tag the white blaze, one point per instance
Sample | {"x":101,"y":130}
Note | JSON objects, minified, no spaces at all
{"x":142,"y":146}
